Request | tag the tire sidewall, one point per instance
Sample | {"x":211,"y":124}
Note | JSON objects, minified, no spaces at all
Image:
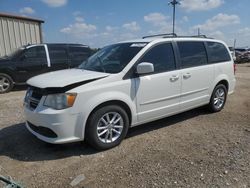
{"x":10,"y":81}
{"x":211,"y":104}
{"x":91,"y":129}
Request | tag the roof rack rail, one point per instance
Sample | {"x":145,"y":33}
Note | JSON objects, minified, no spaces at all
{"x":199,"y":36}
{"x":169,"y":35}
{"x":166,"y":35}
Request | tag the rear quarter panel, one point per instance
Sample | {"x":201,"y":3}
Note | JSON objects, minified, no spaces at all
{"x":224,"y":71}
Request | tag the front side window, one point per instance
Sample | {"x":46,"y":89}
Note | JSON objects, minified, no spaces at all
{"x":162,"y":57}
{"x":35,"y":52}
{"x":192,"y":54}
{"x":113,"y":58}
{"x":217,"y":52}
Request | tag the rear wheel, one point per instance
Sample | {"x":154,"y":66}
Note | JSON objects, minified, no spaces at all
{"x":107,"y":127}
{"x":218,"y":98}
{"x":6,"y":83}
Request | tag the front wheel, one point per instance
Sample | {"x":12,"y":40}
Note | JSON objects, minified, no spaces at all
{"x":218,"y":98}
{"x":107,"y":127}
{"x":6,"y":83}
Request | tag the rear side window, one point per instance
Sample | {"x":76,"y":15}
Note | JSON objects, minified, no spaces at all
{"x":192,"y":54}
{"x":161,"y":56}
{"x":217,"y":52}
{"x":78,"y":54}
{"x":58,"y":54}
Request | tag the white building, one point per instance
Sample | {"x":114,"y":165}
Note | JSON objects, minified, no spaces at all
{"x":16,"y":31}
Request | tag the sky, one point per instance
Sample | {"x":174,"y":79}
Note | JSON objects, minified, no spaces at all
{"x":98,"y":23}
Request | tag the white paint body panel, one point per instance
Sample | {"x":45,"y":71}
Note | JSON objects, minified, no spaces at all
{"x":63,"y":78}
{"x":157,"y":95}
{"x":196,"y":82}
{"x":148,"y":97}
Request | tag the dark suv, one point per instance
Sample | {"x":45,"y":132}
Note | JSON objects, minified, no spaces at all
{"x":32,"y":60}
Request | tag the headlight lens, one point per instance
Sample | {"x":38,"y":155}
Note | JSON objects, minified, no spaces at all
{"x":60,"y":101}
{"x":27,"y":95}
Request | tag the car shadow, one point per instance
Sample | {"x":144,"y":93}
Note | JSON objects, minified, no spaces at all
{"x":165,"y":122}
{"x":17,"y":143}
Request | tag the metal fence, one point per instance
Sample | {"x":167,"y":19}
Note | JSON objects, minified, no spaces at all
{"x":16,"y":31}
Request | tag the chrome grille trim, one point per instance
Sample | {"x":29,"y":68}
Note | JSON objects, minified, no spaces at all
{"x":33,"y":98}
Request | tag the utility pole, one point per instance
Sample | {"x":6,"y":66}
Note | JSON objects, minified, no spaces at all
{"x":234,"y":43}
{"x":174,"y":3}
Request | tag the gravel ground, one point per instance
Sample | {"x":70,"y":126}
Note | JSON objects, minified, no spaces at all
{"x":192,"y":149}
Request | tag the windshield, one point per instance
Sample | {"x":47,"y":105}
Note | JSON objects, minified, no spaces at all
{"x":113,"y":58}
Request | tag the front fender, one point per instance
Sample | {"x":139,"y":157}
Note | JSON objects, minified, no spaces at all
{"x":86,"y":107}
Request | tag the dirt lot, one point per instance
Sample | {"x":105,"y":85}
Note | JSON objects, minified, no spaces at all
{"x":193,"y":149}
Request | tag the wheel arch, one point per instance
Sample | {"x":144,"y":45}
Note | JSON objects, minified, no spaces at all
{"x":9,"y":73}
{"x":224,"y":82}
{"x":120,"y":103}
{"x":222,"y":79}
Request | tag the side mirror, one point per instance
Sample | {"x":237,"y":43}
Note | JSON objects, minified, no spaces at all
{"x":145,"y":68}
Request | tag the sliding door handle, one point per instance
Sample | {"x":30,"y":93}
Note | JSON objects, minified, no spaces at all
{"x":174,"y":78}
{"x":187,"y":75}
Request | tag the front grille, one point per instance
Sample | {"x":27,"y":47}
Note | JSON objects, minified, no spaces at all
{"x":43,"y":131}
{"x":33,"y":98}
{"x":33,"y":103}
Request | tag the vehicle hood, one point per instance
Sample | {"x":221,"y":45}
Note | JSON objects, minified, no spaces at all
{"x":63,"y":78}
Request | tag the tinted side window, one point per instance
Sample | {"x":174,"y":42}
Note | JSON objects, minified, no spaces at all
{"x":35,"y":52}
{"x":192,"y":54}
{"x":162,"y":56}
{"x":78,"y":54}
{"x":58,"y":54}
{"x":217,"y":52}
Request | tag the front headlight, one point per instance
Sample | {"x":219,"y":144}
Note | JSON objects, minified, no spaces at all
{"x":27,"y":95}
{"x":60,"y":101}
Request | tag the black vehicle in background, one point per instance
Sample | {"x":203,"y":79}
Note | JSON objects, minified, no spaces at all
{"x":32,"y":60}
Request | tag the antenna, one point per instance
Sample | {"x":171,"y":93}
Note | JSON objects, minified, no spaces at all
{"x":174,"y":3}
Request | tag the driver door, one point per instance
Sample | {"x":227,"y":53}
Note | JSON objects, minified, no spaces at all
{"x":158,"y":94}
{"x":32,"y":62}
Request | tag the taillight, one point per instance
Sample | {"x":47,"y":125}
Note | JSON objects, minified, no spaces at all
{"x":234,"y":68}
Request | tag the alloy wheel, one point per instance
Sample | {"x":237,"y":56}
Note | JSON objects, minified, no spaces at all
{"x":4,"y":84}
{"x":110,"y":127}
{"x":219,"y":98}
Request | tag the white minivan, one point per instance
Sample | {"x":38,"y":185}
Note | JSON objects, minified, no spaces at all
{"x":127,"y":84}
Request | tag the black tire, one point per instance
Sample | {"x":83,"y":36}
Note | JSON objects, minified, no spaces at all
{"x":216,"y":107}
{"x":6,"y":83}
{"x":95,"y":121}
